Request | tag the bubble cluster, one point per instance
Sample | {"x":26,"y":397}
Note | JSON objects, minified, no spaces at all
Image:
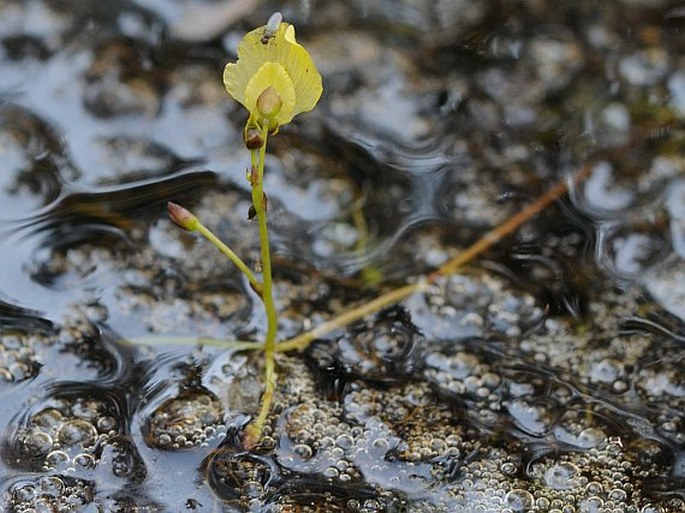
{"x":66,"y":434}
{"x":53,"y":492}
{"x":468,"y":377}
{"x":463,"y":306}
{"x":20,"y":354}
{"x":185,"y":421}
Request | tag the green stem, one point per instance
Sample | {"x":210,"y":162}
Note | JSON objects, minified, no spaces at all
{"x":207,"y":233}
{"x":267,"y":288}
{"x":267,"y":280}
{"x":239,"y":345}
{"x":254,"y":431}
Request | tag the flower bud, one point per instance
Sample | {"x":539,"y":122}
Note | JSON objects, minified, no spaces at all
{"x":182,"y":217}
{"x":269,"y":103}
{"x":253,"y":138}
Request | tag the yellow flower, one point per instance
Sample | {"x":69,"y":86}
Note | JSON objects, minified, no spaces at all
{"x":273,"y":60}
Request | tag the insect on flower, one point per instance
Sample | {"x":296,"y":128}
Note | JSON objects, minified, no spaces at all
{"x":271,"y":27}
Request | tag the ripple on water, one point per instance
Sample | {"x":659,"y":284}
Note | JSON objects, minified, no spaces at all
{"x":387,"y":349}
{"x":34,"y":165}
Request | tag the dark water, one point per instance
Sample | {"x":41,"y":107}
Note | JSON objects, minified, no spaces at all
{"x":545,"y":377}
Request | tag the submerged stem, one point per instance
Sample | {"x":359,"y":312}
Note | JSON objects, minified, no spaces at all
{"x":498,"y":233}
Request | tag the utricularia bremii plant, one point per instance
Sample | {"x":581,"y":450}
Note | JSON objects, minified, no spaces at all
{"x":274,"y":79}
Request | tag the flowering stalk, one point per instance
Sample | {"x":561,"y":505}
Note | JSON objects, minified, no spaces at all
{"x":274,"y":79}
{"x":254,"y":430}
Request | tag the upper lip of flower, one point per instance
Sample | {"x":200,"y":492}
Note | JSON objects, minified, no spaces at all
{"x":279,"y":62}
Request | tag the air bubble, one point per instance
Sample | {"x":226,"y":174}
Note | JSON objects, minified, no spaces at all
{"x":519,"y":500}
{"x":591,"y":505}
{"x":106,"y":424}
{"x":669,"y":426}
{"x":508,"y":468}
{"x":303,"y":451}
{"x":50,"y":418}
{"x":77,"y":432}
{"x":253,"y":489}
{"x":593,"y":488}
{"x":56,"y":458}
{"x":38,"y":443}
{"x":84,"y":460}
{"x":381,"y":444}
{"x":617,"y":495}
{"x":648,"y":508}
{"x":587,"y":439}
{"x":606,"y":371}
{"x":619,"y":386}
{"x":534,"y":419}
{"x":344,"y":441}
{"x":52,"y":485}
{"x":331,"y":472}
{"x":562,"y":476}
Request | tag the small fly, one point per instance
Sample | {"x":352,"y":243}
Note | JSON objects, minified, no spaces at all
{"x":271,"y":27}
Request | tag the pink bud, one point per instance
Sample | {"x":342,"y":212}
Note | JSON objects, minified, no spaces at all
{"x":182,"y":217}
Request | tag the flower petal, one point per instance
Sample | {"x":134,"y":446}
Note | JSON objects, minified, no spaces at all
{"x":272,"y":74}
{"x":295,"y":77}
{"x":305,"y":77}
